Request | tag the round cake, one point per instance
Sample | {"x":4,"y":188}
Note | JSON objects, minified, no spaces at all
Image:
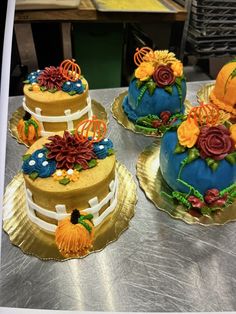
{"x":157,"y":90}
{"x":224,"y":92}
{"x":63,"y":174}
{"x":55,"y":99}
{"x":198,"y":160}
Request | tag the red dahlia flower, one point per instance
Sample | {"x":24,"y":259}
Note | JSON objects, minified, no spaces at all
{"x":68,"y":151}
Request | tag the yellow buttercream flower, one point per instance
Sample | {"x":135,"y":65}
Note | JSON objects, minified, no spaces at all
{"x":144,"y":71}
{"x":233,"y":133}
{"x":72,"y":175}
{"x":160,"y":57}
{"x":59,"y":174}
{"x":177,"y":68}
{"x":188,"y":133}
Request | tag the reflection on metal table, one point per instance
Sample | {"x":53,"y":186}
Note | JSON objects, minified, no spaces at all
{"x":158,"y":264}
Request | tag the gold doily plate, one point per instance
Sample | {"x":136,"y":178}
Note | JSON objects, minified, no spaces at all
{"x":151,"y":181}
{"x":121,"y":117}
{"x":97,"y":110}
{"x":32,"y":240}
{"x":204,"y":92}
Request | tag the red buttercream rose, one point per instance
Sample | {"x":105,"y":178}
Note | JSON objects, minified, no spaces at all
{"x":214,"y":142}
{"x":195,"y":202}
{"x":163,"y":76}
{"x":213,"y":198}
{"x":165,"y":116}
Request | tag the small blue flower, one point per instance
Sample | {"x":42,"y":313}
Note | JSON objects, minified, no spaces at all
{"x":107,"y":142}
{"x":38,"y":163}
{"x":46,"y":168}
{"x":29,"y":165}
{"x":73,"y":87}
{"x":100,"y":150}
{"x":78,"y":87}
{"x":33,"y":76}
{"x":67,"y":87}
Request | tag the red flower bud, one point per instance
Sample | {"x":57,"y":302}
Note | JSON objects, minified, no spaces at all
{"x":156,"y":124}
{"x":163,"y":76}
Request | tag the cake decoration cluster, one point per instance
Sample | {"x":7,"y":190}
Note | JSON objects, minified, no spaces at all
{"x":63,"y":157}
{"x":203,"y":135}
{"x":66,"y":77}
{"x":156,"y":91}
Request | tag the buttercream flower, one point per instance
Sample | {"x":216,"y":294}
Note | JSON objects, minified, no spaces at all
{"x":213,"y":198}
{"x":177,"y":68}
{"x":72,"y":175}
{"x":163,"y":76}
{"x":144,"y":71}
{"x":215,"y":142}
{"x":188,"y":133}
{"x":159,"y":57}
{"x":59,"y":174}
{"x":233,"y":133}
{"x":165,"y":116}
{"x":195,"y":202}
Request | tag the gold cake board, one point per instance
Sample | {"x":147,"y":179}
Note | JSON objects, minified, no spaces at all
{"x":121,"y":117}
{"x":152,"y":183}
{"x":34,"y":241}
{"x":97,"y":110}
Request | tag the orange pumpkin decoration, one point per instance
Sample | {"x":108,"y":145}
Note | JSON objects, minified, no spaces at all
{"x":28,"y":129}
{"x":70,"y":70}
{"x":94,"y":128}
{"x":140,"y":54}
{"x":205,"y":114}
{"x":74,"y":235}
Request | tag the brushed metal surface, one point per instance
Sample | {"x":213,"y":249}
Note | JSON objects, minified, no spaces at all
{"x":158,"y":264}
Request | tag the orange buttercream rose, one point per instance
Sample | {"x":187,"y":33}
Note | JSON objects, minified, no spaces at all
{"x":144,"y":71}
{"x":177,"y":68}
{"x":188,"y":133}
{"x":233,"y":133}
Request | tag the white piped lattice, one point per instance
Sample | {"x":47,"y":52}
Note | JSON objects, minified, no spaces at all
{"x":61,"y":213}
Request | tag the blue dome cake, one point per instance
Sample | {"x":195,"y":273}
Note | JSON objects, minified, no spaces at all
{"x":198,"y":160}
{"x":156,"y":92}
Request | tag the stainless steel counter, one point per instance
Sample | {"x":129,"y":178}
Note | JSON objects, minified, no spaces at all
{"x":158,"y":264}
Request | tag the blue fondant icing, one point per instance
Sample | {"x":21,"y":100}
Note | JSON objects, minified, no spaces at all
{"x":100,"y":150}
{"x":107,"y":142}
{"x":197,"y":173}
{"x":153,"y":104}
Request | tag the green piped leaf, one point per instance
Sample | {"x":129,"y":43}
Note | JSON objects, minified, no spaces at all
{"x":34,"y":175}
{"x":168,"y":89}
{"x":78,"y":167}
{"x":26,"y":82}
{"x":26,"y":157}
{"x":213,"y":164}
{"x":110,"y":152}
{"x":231,"y":158}
{"x":72,"y":93}
{"x":206,"y":211}
{"x":193,"y":153}
{"x":179,"y":149}
{"x":139,"y":84}
{"x":92,"y":163}
{"x":53,"y":90}
{"x":64,"y":181}
{"x":43,"y":88}
{"x":178,"y":81}
{"x":151,"y":86}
